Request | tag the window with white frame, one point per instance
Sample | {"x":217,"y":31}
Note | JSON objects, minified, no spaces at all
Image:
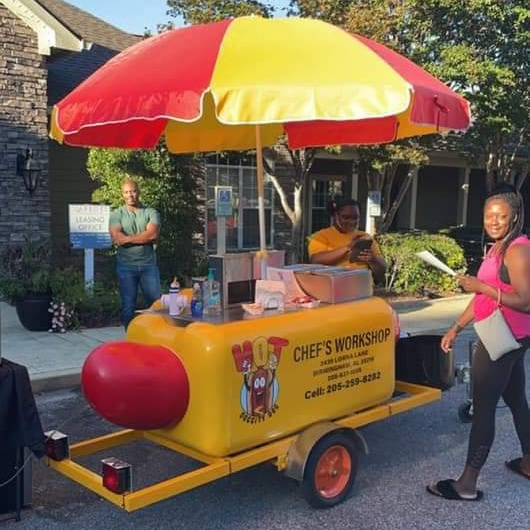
{"x":242,"y":230}
{"x":323,"y":189}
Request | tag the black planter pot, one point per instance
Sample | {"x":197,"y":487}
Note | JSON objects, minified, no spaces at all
{"x":32,"y":311}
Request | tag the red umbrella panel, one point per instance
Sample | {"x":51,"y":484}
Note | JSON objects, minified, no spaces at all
{"x":242,"y":83}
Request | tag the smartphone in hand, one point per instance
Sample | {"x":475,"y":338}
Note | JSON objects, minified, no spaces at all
{"x":359,"y":246}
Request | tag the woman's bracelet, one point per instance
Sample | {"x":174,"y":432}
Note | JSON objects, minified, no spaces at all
{"x":458,"y":327}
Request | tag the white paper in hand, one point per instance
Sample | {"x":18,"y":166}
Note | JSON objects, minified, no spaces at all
{"x":426,"y":256}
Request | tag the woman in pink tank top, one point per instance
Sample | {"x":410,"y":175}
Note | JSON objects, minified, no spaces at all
{"x":505,"y":272}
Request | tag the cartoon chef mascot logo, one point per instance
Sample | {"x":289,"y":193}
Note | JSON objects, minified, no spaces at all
{"x":258,"y":361}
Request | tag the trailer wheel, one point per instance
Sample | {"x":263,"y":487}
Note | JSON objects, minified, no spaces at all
{"x":465,"y":412}
{"x":330,"y":471}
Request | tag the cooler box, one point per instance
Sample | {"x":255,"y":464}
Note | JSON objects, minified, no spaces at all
{"x":421,"y":360}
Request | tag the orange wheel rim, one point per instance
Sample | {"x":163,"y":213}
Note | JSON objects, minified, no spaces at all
{"x":333,"y":471}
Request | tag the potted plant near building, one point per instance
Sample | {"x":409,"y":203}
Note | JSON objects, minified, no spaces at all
{"x":25,"y":274}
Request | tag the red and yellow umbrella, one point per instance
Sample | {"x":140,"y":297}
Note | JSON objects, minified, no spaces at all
{"x":239,"y":84}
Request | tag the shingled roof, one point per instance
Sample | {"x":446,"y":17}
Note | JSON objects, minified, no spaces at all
{"x":89,"y":27}
{"x":68,"y":70}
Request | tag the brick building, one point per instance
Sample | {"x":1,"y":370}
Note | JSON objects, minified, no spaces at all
{"x":47,"y":47}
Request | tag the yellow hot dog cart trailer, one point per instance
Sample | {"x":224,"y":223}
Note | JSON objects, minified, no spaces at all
{"x":232,"y":392}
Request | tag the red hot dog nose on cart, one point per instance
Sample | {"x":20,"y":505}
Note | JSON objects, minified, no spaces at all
{"x":136,"y":386}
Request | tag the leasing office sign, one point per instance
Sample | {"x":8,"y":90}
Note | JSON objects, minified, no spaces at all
{"x":89,"y":225}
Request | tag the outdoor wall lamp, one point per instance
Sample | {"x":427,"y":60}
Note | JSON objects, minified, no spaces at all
{"x":27,"y":170}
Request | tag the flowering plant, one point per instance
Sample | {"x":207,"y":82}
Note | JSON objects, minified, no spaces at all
{"x":63,"y":318}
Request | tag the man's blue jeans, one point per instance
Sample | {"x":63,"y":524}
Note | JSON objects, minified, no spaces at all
{"x":129,"y":278}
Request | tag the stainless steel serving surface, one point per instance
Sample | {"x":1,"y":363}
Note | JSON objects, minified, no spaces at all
{"x":234,"y":314}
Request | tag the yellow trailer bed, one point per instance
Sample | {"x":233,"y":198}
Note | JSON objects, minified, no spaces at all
{"x":233,"y":393}
{"x":411,"y":396}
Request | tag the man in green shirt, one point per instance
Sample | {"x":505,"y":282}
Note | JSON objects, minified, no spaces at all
{"x":134,"y":228}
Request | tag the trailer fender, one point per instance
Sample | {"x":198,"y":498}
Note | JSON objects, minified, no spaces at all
{"x":301,"y":447}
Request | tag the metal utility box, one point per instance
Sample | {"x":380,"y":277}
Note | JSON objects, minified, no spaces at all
{"x":333,"y":285}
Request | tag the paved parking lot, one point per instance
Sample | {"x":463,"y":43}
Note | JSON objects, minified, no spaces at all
{"x":406,"y":453}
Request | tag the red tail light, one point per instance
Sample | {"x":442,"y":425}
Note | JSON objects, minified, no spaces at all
{"x":56,"y":445}
{"x":117,"y":476}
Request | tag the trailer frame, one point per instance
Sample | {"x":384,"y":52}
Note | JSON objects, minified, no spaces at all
{"x":407,"y":396}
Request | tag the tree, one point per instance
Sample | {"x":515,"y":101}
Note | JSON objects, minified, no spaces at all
{"x":379,"y":166}
{"x":383,"y":21}
{"x":456,"y":42}
{"x":166,"y":183}
{"x":482,"y":48}
{"x":301,"y":161}
{"x":333,"y":11}
{"x":203,"y":11}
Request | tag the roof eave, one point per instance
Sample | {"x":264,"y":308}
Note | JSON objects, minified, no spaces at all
{"x":51,"y":33}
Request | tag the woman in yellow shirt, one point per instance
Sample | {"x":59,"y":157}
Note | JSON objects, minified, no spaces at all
{"x":343,"y":244}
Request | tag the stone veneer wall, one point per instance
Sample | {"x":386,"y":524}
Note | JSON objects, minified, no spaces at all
{"x":23,"y":124}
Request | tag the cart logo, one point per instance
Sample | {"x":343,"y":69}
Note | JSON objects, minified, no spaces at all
{"x":258,"y":361}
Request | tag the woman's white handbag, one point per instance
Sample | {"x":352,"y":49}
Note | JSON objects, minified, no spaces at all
{"x":495,"y":334}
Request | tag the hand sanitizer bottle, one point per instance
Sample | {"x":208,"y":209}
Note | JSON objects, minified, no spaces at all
{"x":196,"y":301}
{"x":174,"y":293}
{"x":212,"y":301}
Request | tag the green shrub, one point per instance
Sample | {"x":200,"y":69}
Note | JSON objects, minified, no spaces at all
{"x":25,"y":269}
{"x":28,"y":269}
{"x":471,"y":239}
{"x":168,"y":183}
{"x":99,"y":306}
{"x":408,"y":274}
{"x":68,"y":286}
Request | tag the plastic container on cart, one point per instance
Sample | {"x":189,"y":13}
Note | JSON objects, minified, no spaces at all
{"x":420,"y":360}
{"x":174,"y":293}
{"x":197,"y":301}
{"x":211,"y":295}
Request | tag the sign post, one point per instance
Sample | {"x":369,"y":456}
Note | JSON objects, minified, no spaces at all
{"x":89,"y":229}
{"x":373,"y":210}
{"x":223,"y":209}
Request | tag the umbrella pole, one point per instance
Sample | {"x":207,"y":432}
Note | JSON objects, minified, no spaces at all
{"x":262,"y":255}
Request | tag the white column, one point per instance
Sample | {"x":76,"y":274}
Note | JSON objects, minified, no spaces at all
{"x":463,"y":196}
{"x":221,"y":235}
{"x":413,"y":199}
{"x":354,"y":183}
{"x":89,"y":269}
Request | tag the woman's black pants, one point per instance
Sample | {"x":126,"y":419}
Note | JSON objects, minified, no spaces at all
{"x":491,"y":380}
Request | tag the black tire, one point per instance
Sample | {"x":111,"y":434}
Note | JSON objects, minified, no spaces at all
{"x":465,"y":412}
{"x":342,"y":445}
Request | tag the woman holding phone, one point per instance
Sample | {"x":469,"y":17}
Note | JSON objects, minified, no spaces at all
{"x":343,"y":244}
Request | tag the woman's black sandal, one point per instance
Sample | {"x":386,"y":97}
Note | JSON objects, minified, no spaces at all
{"x":446,"y":490}
{"x":515,"y":466}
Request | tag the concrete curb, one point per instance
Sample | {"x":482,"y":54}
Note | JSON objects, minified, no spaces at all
{"x":410,"y":311}
{"x":439,"y":331}
{"x":72,"y":379}
{"x":423,"y":302}
{"x":58,"y":381}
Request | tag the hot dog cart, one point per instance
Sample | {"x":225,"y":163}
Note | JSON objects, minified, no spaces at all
{"x":235,"y":390}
